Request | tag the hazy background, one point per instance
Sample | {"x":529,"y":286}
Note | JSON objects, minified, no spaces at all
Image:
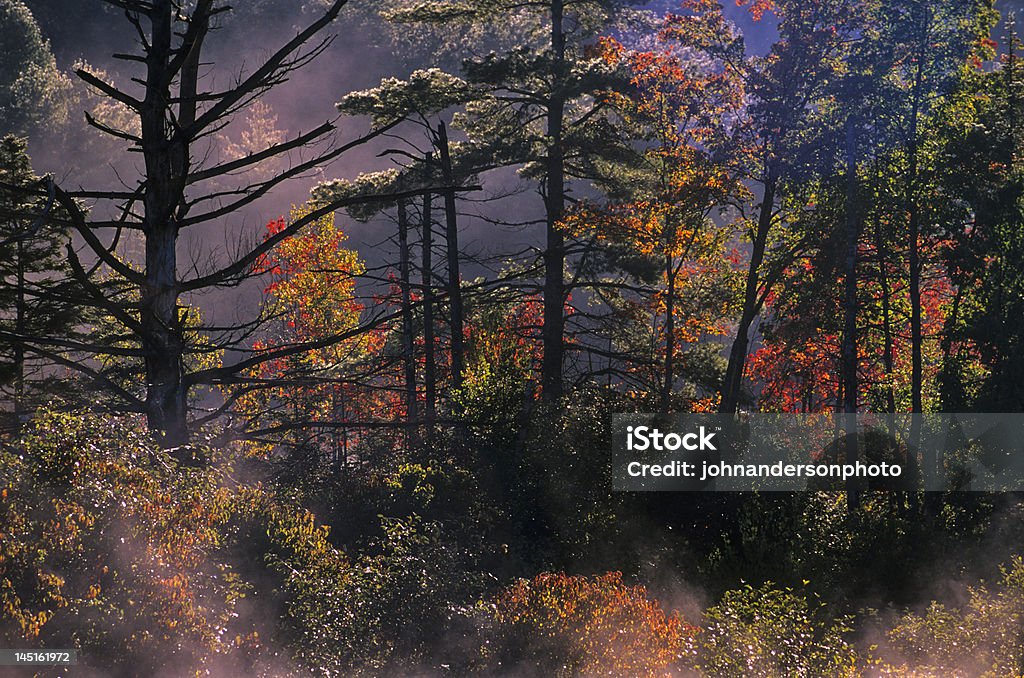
{"x":364,"y":51}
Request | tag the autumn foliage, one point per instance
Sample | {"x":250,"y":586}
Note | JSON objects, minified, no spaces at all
{"x":311,"y":300}
{"x":398,"y":461}
{"x":593,"y":626}
{"x":111,"y":546}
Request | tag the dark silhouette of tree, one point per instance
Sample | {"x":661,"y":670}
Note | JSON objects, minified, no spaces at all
{"x":784,"y":86}
{"x":925,"y":47}
{"x":181,"y":189}
{"x":34,"y":280}
{"x":539,"y":108}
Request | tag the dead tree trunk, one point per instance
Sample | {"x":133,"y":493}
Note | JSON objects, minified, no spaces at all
{"x":167,"y":164}
{"x":408,"y":357}
{"x":429,"y":360}
{"x":554,"y":254}
{"x":452,"y":247}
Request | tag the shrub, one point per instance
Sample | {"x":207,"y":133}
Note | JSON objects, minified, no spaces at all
{"x":768,"y":633}
{"x":560,"y":625}
{"x":983,"y":638}
{"x":144,"y":565}
{"x":104,"y":545}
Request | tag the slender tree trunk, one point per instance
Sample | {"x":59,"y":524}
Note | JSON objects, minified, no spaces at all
{"x":452,"y":245}
{"x":888,"y":357}
{"x":849,"y":347}
{"x":407,"y":321}
{"x":554,"y":253}
{"x":931,"y":502}
{"x":914,"y":219}
{"x":190,"y":70}
{"x":733,"y":383}
{"x":429,"y":365}
{"x":952,"y":395}
{"x":916,"y":334}
{"x":20,"y":327}
{"x":670,"y":336}
{"x":881,"y":251}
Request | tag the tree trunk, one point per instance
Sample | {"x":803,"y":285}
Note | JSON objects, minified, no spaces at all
{"x":733,"y":383}
{"x":914,"y":219}
{"x":849,"y":347}
{"x":452,"y":245}
{"x":429,"y":365}
{"x":881,"y":251}
{"x":162,"y":341}
{"x":407,"y":320}
{"x":20,"y":328}
{"x":166,"y":163}
{"x":554,"y":254}
{"x":932,"y":501}
{"x":914,"y":237}
{"x":916,"y":334}
{"x":670,"y":336}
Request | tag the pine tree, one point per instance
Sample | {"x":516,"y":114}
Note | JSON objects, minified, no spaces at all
{"x":181,"y":187}
{"x":31,"y":86}
{"x":541,"y":109}
{"x":34,"y":275}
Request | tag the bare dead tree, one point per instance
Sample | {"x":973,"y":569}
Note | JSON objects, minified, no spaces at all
{"x":452,"y":244}
{"x":180,"y":108}
{"x":429,"y":358}
{"x":407,"y":315}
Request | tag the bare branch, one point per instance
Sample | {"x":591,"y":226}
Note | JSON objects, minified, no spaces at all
{"x":266,"y":73}
{"x":108,"y":89}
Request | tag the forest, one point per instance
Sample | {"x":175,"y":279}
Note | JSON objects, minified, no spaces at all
{"x":315,"y":316}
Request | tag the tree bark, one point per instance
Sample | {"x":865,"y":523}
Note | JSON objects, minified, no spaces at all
{"x":849,"y":347}
{"x":554,"y":254}
{"x":881,"y":251}
{"x":914,"y":222}
{"x":733,"y":383}
{"x":166,"y":162}
{"x":408,"y":358}
{"x":668,"y":376}
{"x":914,"y":237}
{"x":452,"y":248}
{"x":852,"y":233}
{"x":429,"y":365}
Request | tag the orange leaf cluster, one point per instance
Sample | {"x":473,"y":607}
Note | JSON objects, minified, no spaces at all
{"x":605,"y":626}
